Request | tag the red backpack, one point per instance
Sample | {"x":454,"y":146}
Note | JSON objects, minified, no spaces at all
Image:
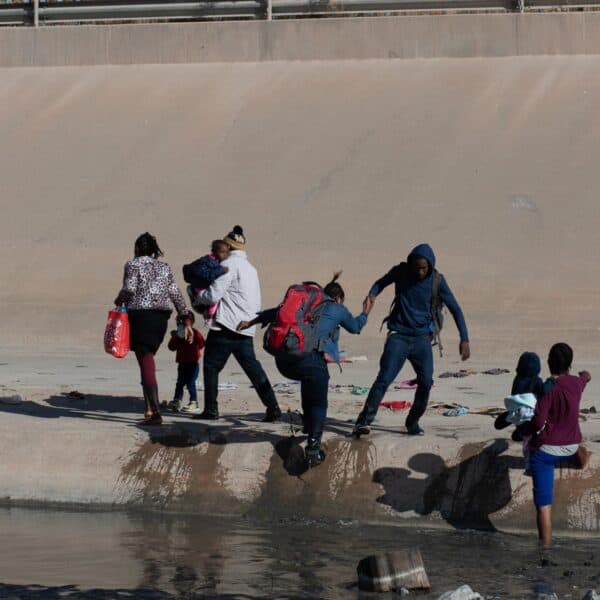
{"x":293,"y":333}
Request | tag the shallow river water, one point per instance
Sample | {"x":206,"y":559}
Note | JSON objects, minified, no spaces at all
{"x":76,"y":554}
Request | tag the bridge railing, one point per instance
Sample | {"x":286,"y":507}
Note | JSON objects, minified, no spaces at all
{"x":38,"y":12}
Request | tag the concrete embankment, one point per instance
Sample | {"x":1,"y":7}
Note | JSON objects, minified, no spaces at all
{"x":407,"y":37}
{"x":67,"y":449}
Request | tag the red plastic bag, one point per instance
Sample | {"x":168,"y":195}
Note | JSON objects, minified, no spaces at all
{"x":116,"y":333}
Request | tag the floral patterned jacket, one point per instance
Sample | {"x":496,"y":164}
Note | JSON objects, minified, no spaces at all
{"x":149,"y":284}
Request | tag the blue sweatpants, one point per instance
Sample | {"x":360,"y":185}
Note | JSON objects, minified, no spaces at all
{"x":541,"y":465}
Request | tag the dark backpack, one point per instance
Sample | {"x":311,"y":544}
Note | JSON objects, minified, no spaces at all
{"x":293,"y":333}
{"x":437,"y":315}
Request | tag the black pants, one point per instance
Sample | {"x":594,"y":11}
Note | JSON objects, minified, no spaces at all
{"x":312,"y":373}
{"x":220,"y":345}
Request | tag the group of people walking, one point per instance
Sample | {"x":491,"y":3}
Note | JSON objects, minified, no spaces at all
{"x":227,"y":292}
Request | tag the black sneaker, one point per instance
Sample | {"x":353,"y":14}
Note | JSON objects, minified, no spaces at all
{"x":174,"y":405}
{"x":314,"y":457}
{"x":361,"y":430}
{"x":272,"y":416}
{"x":415,"y":430}
{"x":206,"y":416}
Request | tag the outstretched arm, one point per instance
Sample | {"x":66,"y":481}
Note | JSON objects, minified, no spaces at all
{"x":355,"y":324}
{"x":263,"y":317}
{"x":389,"y":278}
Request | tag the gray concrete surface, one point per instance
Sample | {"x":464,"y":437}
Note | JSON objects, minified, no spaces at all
{"x":427,"y":36}
{"x":88,"y":450}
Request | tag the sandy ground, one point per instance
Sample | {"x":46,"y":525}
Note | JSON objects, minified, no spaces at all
{"x":327,"y":165}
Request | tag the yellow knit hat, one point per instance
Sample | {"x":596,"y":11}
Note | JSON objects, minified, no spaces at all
{"x":236,"y":238}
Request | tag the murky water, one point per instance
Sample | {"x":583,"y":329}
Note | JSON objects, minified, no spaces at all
{"x":69,"y":554}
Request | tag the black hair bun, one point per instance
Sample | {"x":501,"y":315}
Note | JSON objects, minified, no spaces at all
{"x":238,"y":230}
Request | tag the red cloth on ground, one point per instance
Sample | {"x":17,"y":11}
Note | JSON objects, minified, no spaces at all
{"x":396,"y":404}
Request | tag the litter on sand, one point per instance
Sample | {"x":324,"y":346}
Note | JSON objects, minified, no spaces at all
{"x":281,"y":385}
{"x":360,"y":390}
{"x":396,"y":404}
{"x":407,"y":384}
{"x":459,"y":411}
{"x":227,"y":385}
{"x":461,"y":373}
{"x":495,"y":371}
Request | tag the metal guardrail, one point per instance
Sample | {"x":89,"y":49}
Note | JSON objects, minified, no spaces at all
{"x":72,"y":11}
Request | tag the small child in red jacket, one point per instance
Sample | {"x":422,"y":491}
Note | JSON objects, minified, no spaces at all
{"x":187,"y":358}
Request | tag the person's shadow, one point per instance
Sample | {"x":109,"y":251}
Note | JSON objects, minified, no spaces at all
{"x":464,"y":494}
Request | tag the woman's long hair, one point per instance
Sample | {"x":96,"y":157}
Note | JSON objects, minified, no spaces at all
{"x":146,"y":245}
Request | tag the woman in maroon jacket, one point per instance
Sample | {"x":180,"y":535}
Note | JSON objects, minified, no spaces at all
{"x":556,"y":433}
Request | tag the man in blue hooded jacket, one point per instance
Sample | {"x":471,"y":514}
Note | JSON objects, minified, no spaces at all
{"x":410,"y":329}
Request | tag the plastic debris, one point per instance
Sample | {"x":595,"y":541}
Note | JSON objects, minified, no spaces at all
{"x":495,"y":371}
{"x":227,"y":385}
{"x":360,"y":390}
{"x":459,"y":411}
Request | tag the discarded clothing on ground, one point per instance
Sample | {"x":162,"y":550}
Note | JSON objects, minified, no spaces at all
{"x":396,"y":404}
{"x":495,"y":371}
{"x":458,"y":411}
{"x":458,"y":374}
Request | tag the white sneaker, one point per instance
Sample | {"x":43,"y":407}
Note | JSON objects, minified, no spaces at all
{"x":192,"y":407}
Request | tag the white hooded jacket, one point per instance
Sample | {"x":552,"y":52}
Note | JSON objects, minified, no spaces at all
{"x":238,"y":293}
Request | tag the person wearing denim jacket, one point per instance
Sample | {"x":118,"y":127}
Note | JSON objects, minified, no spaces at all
{"x":311,"y":370}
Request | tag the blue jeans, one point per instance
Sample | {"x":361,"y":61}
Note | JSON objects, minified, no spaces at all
{"x":187,"y":374}
{"x":220,"y":345}
{"x":399,"y":348}
{"x":313,"y":375}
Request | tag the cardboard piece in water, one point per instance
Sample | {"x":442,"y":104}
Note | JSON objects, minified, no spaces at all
{"x":392,"y":571}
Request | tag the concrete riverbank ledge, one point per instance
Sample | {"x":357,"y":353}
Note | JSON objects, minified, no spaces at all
{"x":423,"y":36}
{"x":87,"y":449}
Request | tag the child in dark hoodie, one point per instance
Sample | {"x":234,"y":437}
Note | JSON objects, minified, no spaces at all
{"x":526,"y":381}
{"x":410,"y":330}
{"x":526,"y":389}
{"x":201,"y":273}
